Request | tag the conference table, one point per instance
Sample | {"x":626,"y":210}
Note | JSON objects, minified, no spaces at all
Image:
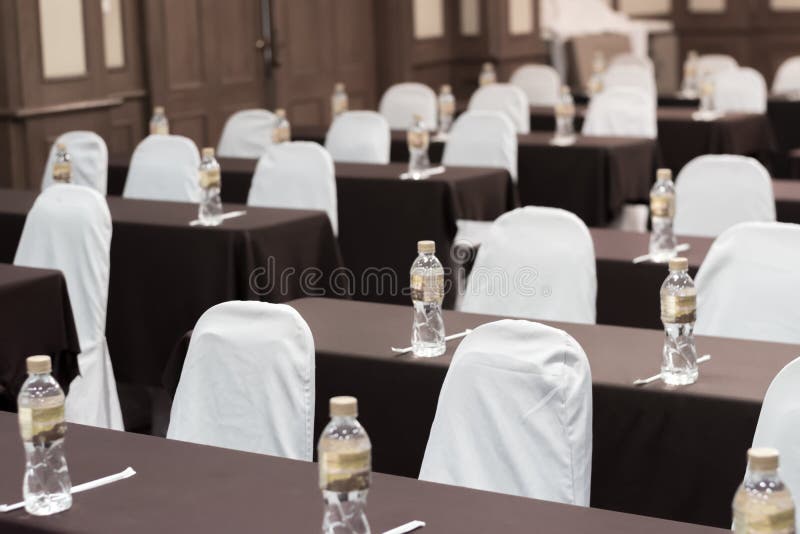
{"x":660,"y":451}
{"x":36,"y":318}
{"x":165,"y":273}
{"x":593,"y":178}
{"x":183,"y":487}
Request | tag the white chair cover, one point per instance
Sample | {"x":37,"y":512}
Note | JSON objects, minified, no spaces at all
{"x":623,"y":112}
{"x":715,"y":192}
{"x":89,"y":160}
{"x":504,"y":97}
{"x":713,"y":64}
{"x":536,"y":263}
{"x":247,"y":134}
{"x":69,"y":229}
{"x":778,"y":425}
{"x":749,"y":285}
{"x":402,"y":101}
{"x":296,"y":175}
{"x":248,"y":381}
{"x":164,"y":167}
{"x":741,"y":90}
{"x":629,"y":58}
{"x":787,"y":78}
{"x":541,"y":84}
{"x":482,"y":139}
{"x":515,"y":415}
{"x":359,"y":137}
{"x":631,"y":75}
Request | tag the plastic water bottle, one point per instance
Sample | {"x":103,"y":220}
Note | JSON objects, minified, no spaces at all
{"x":689,"y":85}
{"x":662,"y":215}
{"x":159,"y":125}
{"x":210,"y":209}
{"x":598,"y":69}
{"x":427,"y":293}
{"x":707,"y":94}
{"x":488,"y":74}
{"x":418,"y":139}
{"x":62,"y":166}
{"x":282,"y":132}
{"x":46,"y":487}
{"x":345,"y":463}
{"x":565,"y":117}
{"x":679,"y":313}
{"x":339,"y":100}
{"x":447,"y":108}
{"x":763,"y":503}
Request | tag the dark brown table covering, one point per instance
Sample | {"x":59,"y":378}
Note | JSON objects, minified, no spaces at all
{"x":36,"y":318}
{"x":667,"y":452}
{"x":794,"y":163}
{"x":787,"y":200}
{"x":165,"y":273}
{"x":181,"y":487}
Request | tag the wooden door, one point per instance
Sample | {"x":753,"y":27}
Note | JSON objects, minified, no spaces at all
{"x":317,"y":43}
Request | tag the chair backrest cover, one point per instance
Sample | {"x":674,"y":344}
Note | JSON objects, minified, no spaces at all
{"x":631,"y":75}
{"x":247,"y":134}
{"x":299,"y":175}
{"x":536,"y":263}
{"x":748,"y":285}
{"x":507,"y":98}
{"x":713,"y":64}
{"x":787,"y":78}
{"x":402,"y":101}
{"x":164,"y":167}
{"x":715,"y":192}
{"x":359,"y":137}
{"x":89,"y":155}
{"x":623,"y":112}
{"x":482,"y":139}
{"x":515,"y":415}
{"x":742,"y":90}
{"x":248,"y":381}
{"x":541,"y":83}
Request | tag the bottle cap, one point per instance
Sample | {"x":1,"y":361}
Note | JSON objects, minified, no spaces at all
{"x":763,"y":458}
{"x":343,"y":407}
{"x":208,"y":152}
{"x":339,"y":86}
{"x":158,"y":110}
{"x":281,"y":113}
{"x":664,"y":174}
{"x":38,"y":364}
{"x":565,"y":89}
{"x":426,"y":247}
{"x":488,"y":65}
{"x":678,"y":264}
{"x":61,"y":147}
{"x":446,"y":89}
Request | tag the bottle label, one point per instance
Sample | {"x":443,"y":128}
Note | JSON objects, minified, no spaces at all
{"x":418,"y":139}
{"x":565,"y":110}
{"x":345,"y":471}
{"x":44,"y":425}
{"x":679,"y":309}
{"x":340,"y":105}
{"x":662,"y":205}
{"x":780,"y":522}
{"x":210,"y":178}
{"x":447,"y":107}
{"x":281,"y":134}
{"x":62,"y":171}
{"x":427,"y":292}
{"x":159,"y":128}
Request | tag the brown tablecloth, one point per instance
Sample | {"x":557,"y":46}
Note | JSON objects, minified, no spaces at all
{"x":787,"y":200}
{"x":165,"y":273}
{"x":659,"y":451}
{"x":181,"y":487}
{"x":794,"y":163}
{"x":36,"y":318}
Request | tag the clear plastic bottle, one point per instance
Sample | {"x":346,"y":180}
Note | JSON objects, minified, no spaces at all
{"x":210,"y":209}
{"x":447,"y":108}
{"x":598,"y":69}
{"x":565,"y":117}
{"x":662,"y":215}
{"x":159,"y":125}
{"x":763,"y":503}
{"x":345,"y":463}
{"x":282,"y":132}
{"x":418,"y":138}
{"x":678,"y":314}
{"x":46,"y":487}
{"x":427,"y":293}
{"x":689,"y":86}
{"x":488,"y":74}
{"x":706,"y":90}
{"x":62,"y":166}
{"x":339,"y":100}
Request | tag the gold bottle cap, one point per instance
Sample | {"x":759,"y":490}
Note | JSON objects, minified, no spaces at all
{"x":446,"y":89}
{"x":664,"y":174}
{"x":158,"y":110}
{"x":208,"y":152}
{"x":339,"y":87}
{"x":426,"y":247}
{"x":343,"y":407}
{"x":678,"y":264}
{"x":763,"y":458}
{"x":281,"y":113}
{"x":38,"y":364}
